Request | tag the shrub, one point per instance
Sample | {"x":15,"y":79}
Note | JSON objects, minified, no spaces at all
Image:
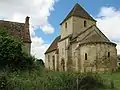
{"x":89,"y":82}
{"x":3,"y":82}
{"x":11,"y":54}
{"x":118,"y":69}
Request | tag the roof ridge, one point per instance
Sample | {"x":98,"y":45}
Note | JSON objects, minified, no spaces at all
{"x":102,"y":32}
{"x":12,"y":21}
{"x":84,"y":31}
{"x":54,"y":42}
{"x":78,"y":11}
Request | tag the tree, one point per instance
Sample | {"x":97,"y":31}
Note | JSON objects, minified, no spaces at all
{"x":11,"y":54}
{"x":40,"y":61}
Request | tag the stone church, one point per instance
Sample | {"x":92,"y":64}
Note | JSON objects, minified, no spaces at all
{"x":81,"y":45}
{"x":19,"y":30}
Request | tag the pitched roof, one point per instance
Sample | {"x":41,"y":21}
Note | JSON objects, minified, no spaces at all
{"x":53,"y":46}
{"x":79,"y":12}
{"x":15,"y":28}
{"x":94,"y":38}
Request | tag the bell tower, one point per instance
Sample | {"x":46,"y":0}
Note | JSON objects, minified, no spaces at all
{"x":76,"y":21}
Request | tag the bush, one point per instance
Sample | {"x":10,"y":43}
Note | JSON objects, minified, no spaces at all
{"x":89,"y":82}
{"x":24,"y":62}
{"x":68,"y":81}
{"x":11,"y":55}
{"x":118,"y":69}
{"x":3,"y":82}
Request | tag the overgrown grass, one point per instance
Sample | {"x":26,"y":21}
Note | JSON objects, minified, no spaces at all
{"x":115,"y":77}
{"x":40,"y":79}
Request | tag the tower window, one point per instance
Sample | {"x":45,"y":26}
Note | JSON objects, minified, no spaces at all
{"x":66,"y":25}
{"x":85,"y":23}
{"x":108,"y":54}
{"x":85,"y":56}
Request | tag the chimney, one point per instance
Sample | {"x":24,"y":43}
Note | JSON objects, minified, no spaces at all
{"x":27,"y":20}
{"x":26,"y":30}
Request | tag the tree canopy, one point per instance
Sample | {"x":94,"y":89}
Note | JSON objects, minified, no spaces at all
{"x":11,"y":54}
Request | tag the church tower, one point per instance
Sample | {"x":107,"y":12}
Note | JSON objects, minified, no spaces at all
{"x":76,"y":22}
{"x":80,"y":45}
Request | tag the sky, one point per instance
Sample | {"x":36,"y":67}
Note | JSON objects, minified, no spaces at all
{"x":46,"y":15}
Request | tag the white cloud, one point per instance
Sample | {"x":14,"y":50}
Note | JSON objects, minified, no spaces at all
{"x":38,"y":47}
{"x":108,"y":21}
{"x":38,"y":10}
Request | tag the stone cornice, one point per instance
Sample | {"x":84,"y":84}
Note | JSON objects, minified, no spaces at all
{"x":88,"y":43}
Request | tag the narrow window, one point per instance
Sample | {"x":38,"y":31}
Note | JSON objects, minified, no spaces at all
{"x":119,"y":64}
{"x":63,"y":64}
{"x":108,"y":54}
{"x":53,"y":63}
{"x":66,"y":25}
{"x":49,"y":61}
{"x":57,"y":65}
{"x":85,"y":23}
{"x":85,"y":56}
{"x":48,"y":58}
{"x":49,"y":67}
{"x":62,"y":51}
{"x":74,"y":54}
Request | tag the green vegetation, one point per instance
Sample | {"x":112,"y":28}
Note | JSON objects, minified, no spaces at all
{"x":40,"y":79}
{"x":115,"y":77}
{"x":18,"y":71}
{"x":11,"y":55}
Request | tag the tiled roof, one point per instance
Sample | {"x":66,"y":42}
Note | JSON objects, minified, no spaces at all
{"x":79,"y":12}
{"x":53,"y":46}
{"x":15,"y":28}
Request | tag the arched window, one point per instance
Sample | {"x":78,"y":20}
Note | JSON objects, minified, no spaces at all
{"x":108,"y":54}
{"x":85,"y":56}
{"x":66,"y":25}
{"x":85,"y":23}
{"x":63,"y":64}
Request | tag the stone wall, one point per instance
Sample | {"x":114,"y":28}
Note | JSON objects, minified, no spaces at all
{"x":63,"y":51}
{"x":27,"y":48}
{"x":78,"y":24}
{"x":69,"y":30}
{"x":96,"y":52}
{"x":49,"y":63}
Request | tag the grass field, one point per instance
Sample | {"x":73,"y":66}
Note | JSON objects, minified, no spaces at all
{"x":38,"y":79}
{"x":115,"y":77}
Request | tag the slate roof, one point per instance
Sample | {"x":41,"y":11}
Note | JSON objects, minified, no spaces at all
{"x":53,"y":46}
{"x":78,"y":11}
{"x":15,"y":28}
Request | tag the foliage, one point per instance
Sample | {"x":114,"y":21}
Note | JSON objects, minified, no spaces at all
{"x":118,"y":69}
{"x":40,"y":79}
{"x":90,"y":81}
{"x":3,"y":82}
{"x":40,"y":62}
{"x":11,"y":55}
